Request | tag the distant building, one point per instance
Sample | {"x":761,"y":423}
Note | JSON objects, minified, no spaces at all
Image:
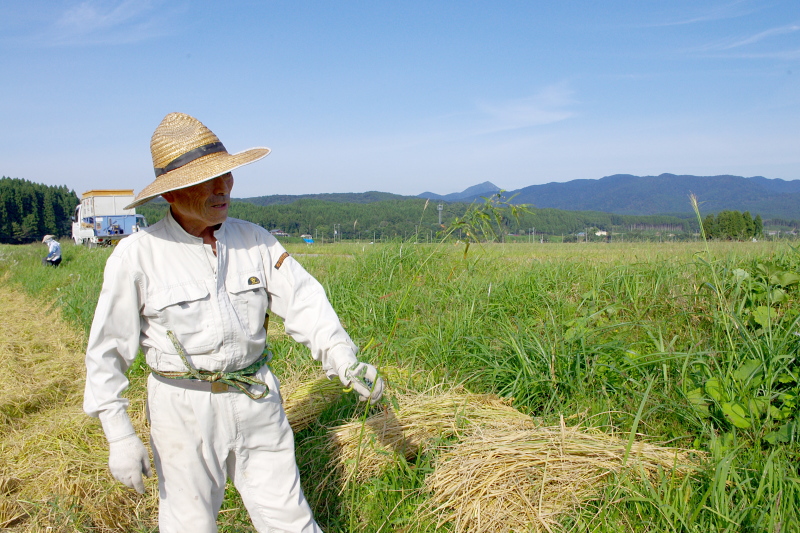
{"x":279,"y":233}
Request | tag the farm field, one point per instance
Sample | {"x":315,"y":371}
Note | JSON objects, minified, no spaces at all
{"x":622,"y":387}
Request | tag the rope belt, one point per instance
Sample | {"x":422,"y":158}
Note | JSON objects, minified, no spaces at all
{"x":220,"y":381}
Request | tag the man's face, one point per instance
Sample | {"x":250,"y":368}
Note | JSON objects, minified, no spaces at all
{"x":201,"y":206}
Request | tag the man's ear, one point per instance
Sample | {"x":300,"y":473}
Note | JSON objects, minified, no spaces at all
{"x":168,"y":196}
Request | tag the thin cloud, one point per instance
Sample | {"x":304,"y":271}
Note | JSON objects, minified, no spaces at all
{"x":551,"y":105}
{"x":726,"y":11}
{"x":755,"y":46}
{"x":95,"y":22}
{"x":761,"y":36}
{"x":547,"y":107}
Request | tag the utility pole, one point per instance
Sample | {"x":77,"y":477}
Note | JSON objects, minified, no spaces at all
{"x":440,"y":208}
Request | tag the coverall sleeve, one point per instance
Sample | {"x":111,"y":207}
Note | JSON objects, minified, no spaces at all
{"x":309,"y":318}
{"x":113,"y":341}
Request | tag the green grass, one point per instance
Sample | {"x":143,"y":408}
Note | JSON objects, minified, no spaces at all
{"x":691,"y":344}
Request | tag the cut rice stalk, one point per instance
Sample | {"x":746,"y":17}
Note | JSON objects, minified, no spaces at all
{"x":501,"y":480}
{"x":306,"y":401}
{"x":364,"y":450}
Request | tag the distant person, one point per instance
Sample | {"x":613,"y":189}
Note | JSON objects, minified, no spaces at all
{"x":54,"y":256}
{"x":194,"y":291}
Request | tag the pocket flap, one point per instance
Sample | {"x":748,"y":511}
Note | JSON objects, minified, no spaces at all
{"x":177,"y":294}
{"x":245,"y":281}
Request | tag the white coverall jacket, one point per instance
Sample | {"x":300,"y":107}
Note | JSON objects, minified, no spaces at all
{"x":162,"y":278}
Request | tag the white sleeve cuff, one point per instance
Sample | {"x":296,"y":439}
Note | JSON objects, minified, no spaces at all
{"x":117,"y":427}
{"x":339,"y":357}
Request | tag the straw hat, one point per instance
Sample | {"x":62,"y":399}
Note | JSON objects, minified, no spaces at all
{"x":47,"y":238}
{"x":186,"y":153}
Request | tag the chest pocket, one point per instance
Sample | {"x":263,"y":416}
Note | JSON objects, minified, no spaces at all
{"x":187,"y":311}
{"x":248,"y":294}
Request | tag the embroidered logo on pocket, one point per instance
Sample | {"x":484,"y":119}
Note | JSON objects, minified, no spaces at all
{"x":253,"y":280}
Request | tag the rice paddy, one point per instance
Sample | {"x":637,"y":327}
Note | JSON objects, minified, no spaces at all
{"x":636,"y":387}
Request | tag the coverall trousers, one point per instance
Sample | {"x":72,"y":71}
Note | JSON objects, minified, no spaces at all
{"x":200,"y":439}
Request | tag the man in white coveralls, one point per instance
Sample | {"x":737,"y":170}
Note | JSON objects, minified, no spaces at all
{"x":193,"y":290}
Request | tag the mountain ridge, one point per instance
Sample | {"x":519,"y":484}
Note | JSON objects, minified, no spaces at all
{"x":623,"y":194}
{"x":626,"y":194}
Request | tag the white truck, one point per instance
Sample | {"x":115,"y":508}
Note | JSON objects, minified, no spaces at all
{"x":101,"y":218}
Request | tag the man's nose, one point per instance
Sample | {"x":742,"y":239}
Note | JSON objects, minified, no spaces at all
{"x":222,"y":185}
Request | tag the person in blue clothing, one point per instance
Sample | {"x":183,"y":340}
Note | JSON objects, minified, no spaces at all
{"x":54,"y":255}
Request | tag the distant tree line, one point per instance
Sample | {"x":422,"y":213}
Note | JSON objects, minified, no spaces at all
{"x":782,"y":223}
{"x":28,"y":211}
{"x":402,"y":218}
{"x":732,"y":225}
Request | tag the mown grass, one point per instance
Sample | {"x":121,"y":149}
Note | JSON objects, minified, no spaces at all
{"x":691,"y":344}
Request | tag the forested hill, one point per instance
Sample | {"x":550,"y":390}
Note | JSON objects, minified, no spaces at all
{"x":28,"y":211}
{"x":668,"y":194}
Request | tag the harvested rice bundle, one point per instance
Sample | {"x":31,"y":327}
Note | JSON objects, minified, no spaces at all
{"x":500,"y":480}
{"x":363,"y":450}
{"x":306,"y":401}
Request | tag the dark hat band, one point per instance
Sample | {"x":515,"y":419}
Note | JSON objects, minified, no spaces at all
{"x":190,"y":156}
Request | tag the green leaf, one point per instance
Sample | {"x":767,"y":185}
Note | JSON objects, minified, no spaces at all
{"x":776,"y":413}
{"x":750,"y":369}
{"x":787,"y":278}
{"x":698,"y":400}
{"x":758,"y":406}
{"x":778,"y":296}
{"x":740,"y":275}
{"x":783,"y":434}
{"x":762,"y":315}
{"x":715,"y":390}
{"x":737,"y":414}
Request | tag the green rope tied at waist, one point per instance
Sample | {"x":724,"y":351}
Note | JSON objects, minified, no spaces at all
{"x":241,"y":379}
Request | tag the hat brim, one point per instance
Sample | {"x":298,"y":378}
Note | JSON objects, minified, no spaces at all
{"x":200,"y":170}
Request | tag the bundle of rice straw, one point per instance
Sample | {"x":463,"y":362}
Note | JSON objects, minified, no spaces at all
{"x":363,"y":450}
{"x":498,"y":480}
{"x":307,"y":397}
{"x":305,"y":401}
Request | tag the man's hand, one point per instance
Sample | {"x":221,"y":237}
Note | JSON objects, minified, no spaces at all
{"x":128,"y":460}
{"x":364,"y":379}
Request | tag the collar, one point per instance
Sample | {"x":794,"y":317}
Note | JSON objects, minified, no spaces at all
{"x":181,"y":235}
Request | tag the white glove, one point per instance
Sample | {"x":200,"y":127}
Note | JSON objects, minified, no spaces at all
{"x":127,"y":456}
{"x":364,"y":379}
{"x":128,"y":460}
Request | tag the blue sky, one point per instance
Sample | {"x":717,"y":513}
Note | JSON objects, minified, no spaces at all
{"x":403,"y":97}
